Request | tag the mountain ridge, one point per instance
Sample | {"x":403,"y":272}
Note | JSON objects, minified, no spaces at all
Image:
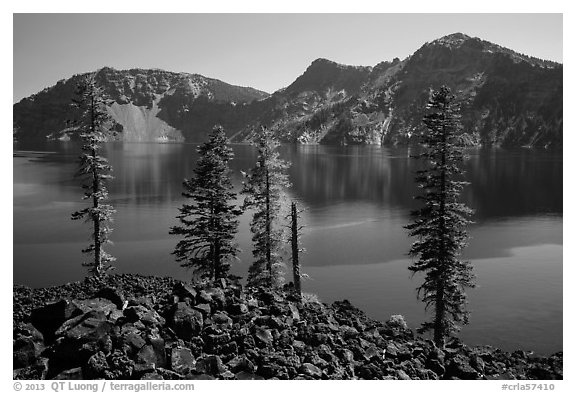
{"x":507,"y":98}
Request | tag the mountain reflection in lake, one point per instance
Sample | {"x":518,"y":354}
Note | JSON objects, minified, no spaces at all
{"x":357,"y":200}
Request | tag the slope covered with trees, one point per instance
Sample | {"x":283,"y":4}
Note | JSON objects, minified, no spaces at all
{"x":507,"y":99}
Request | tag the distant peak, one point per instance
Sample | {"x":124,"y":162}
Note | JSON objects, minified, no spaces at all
{"x":322,"y":62}
{"x":454,"y":39}
{"x":457,"y":36}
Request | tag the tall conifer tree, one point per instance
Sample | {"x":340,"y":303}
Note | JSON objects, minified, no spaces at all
{"x":209,"y":221}
{"x":295,"y":232}
{"x":440,"y":225}
{"x":264,"y":187}
{"x":94,"y":126}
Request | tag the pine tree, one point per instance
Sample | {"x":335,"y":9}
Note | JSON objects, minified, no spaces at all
{"x":295,"y":231}
{"x":94,"y":126}
{"x":264,"y":187}
{"x":440,"y":225}
{"x":209,"y":222}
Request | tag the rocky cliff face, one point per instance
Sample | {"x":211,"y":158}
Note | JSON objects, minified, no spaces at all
{"x":148,"y":105}
{"x":507,"y":99}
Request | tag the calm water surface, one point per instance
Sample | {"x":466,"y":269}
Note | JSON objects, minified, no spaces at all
{"x":357,"y":201}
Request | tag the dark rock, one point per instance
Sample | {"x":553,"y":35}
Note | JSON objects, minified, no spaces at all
{"x":112,"y":294}
{"x":478,"y":364}
{"x":182,"y":360}
{"x":186,"y":321}
{"x":347,"y":356}
{"x":241,"y":363}
{"x":134,"y":340}
{"x":169,"y":374}
{"x":26,"y":352}
{"x":310,"y":370}
{"x":227,"y":350}
{"x":269,"y":297}
{"x":152,"y":376}
{"x":371,"y":352}
{"x":277,"y":323}
{"x":318,"y":339}
{"x":391,"y":350}
{"x":203,"y":297}
{"x":204,"y":308}
{"x":298,"y":345}
{"x":273,"y":370}
{"x":143,"y":368}
{"x":294,"y":313}
{"x":316,"y":360}
{"x":252,"y":303}
{"x":28,"y":330}
{"x":326,"y":354}
{"x":285,"y":339}
{"x":121,"y":367}
{"x":238,"y":309}
{"x":153,"y":353}
{"x":214,"y":341}
{"x":37,"y":371}
{"x":101,"y":305}
{"x":459,"y":367}
{"x":400,"y":374}
{"x":253,"y":339}
{"x":146,"y":316}
{"x":89,"y":327}
{"x":96,"y":366}
{"x":184,"y":291}
{"x":218,"y":298}
{"x":211,"y":364}
{"x":369,"y":371}
{"x":348,"y":331}
{"x":263,"y":336}
{"x":437,"y":354}
{"x":199,"y":377}
{"x":74,"y":373}
{"x":247,"y":376}
{"x":262,"y":320}
{"x":222,"y":320}
{"x":47,"y":319}
{"x":227,"y":375}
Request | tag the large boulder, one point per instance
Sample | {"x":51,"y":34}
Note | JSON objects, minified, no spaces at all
{"x":211,"y":365}
{"x":48,"y":318}
{"x":153,"y":354}
{"x":182,"y":361}
{"x":185,"y":291}
{"x":26,"y":352}
{"x":186,"y":321}
{"x":310,"y":370}
{"x":112,"y":294}
{"x":147,"y":316}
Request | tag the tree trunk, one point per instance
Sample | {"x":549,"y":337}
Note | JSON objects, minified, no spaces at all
{"x":439,"y":332}
{"x":96,"y":220}
{"x":440,"y":315}
{"x":95,"y":202}
{"x":295,"y":261}
{"x":217,"y":272}
{"x":268,"y":231}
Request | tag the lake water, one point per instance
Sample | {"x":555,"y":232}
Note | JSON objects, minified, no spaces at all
{"x":357,"y":201}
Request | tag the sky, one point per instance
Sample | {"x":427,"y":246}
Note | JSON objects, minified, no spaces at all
{"x":264,"y":51}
